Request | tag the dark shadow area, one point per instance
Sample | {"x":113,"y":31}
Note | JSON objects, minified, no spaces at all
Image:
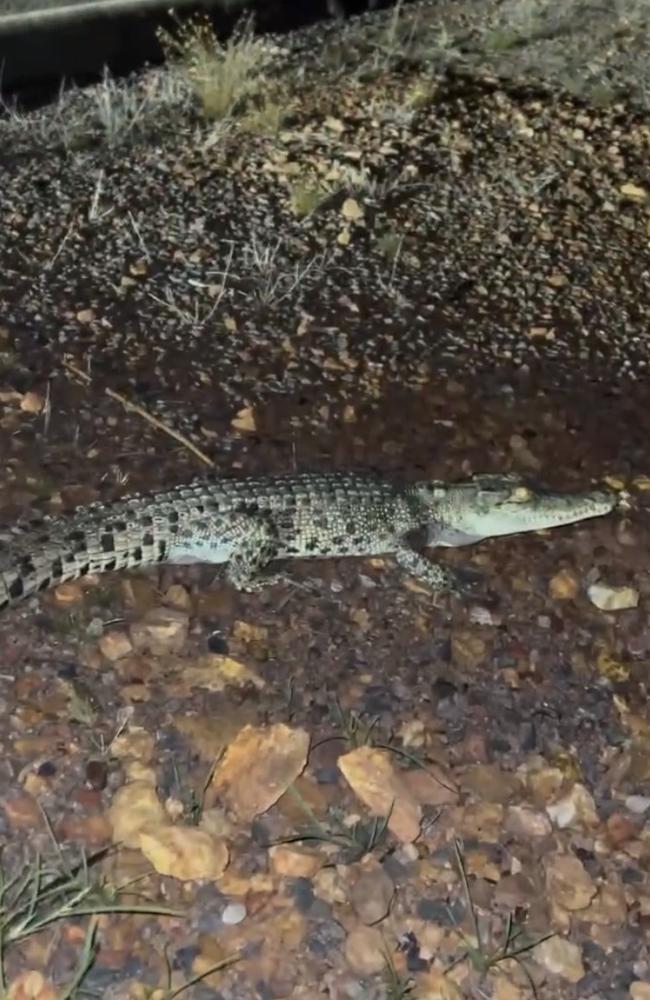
{"x":37,"y":62}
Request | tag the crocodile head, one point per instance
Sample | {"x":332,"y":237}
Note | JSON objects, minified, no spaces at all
{"x":488,"y":506}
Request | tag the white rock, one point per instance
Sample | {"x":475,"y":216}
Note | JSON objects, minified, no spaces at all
{"x":560,"y":957}
{"x":609,"y":598}
{"x":234,"y":913}
{"x":576,"y":808}
{"x":637,"y":804}
{"x":481,"y":616}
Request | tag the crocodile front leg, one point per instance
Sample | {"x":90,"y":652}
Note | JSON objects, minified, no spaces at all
{"x":437,"y":578}
{"x":256,"y":546}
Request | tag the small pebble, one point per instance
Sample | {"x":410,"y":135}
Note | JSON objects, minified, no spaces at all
{"x":234,"y":913}
{"x":479,"y":615}
{"x":95,"y":628}
{"x":564,"y":586}
{"x":637,"y":804}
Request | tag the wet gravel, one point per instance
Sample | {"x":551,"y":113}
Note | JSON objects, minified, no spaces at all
{"x":468,"y":295}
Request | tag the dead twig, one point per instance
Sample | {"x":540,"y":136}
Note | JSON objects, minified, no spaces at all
{"x":140,"y":410}
{"x":50,"y":264}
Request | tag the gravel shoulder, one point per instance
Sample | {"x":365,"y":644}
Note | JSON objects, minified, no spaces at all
{"x":427,"y":270}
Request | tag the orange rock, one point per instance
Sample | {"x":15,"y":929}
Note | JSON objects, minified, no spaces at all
{"x":258,"y":767}
{"x":134,"y":806}
{"x":70,"y":592}
{"x":134,"y":742}
{"x":31,"y":986}
{"x":371,"y":774}
{"x":91,"y":830}
{"x":568,"y":882}
{"x":178,"y":597}
{"x":161,"y":630}
{"x":525,"y":823}
{"x":490,"y":783}
{"x":32,"y":402}
{"x":564,"y":586}
{"x":22,"y":812}
{"x":184,"y":852}
{"x":560,"y":957}
{"x":433,"y":787}
{"x":468,"y":649}
{"x":115,"y":644}
{"x":575,"y":809}
{"x":482,"y":820}
{"x":365,"y":951}
{"x":244,"y":420}
{"x":620,"y":829}
{"x":295,"y":862}
{"x":372,"y":895}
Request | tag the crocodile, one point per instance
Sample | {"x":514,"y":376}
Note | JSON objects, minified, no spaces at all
{"x":249,"y":522}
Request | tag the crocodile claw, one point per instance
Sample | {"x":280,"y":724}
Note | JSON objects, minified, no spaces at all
{"x":467,"y":582}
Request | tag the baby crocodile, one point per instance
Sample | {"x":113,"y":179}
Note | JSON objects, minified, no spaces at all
{"x":249,"y":522}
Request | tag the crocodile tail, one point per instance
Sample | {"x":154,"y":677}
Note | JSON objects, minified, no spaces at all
{"x":36,"y":558}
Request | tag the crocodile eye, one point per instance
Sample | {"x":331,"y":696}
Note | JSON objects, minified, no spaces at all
{"x":520,"y":495}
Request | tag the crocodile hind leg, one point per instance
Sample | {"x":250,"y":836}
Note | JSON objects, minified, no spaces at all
{"x":253,"y":550}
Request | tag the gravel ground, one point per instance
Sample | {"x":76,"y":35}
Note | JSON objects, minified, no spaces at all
{"x":428,"y":270}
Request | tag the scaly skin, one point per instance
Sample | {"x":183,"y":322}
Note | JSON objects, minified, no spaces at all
{"x":250,"y":522}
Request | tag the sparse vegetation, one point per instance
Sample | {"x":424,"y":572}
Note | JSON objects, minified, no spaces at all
{"x":43,"y":892}
{"x":122,"y":110}
{"x":193,"y":801}
{"x":397,"y":987}
{"x":305,"y":197}
{"x":169,"y":993}
{"x":353,"y":728}
{"x":223,"y":76}
{"x":264,"y":117}
{"x":358,"y":731}
{"x":515,"y":942}
{"x":237,"y":79}
{"x":274,"y":278}
{"x":109,"y":113}
{"x":354,"y":841}
{"x":389,"y":244}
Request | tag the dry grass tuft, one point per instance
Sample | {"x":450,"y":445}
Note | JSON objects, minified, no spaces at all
{"x":224,"y":77}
